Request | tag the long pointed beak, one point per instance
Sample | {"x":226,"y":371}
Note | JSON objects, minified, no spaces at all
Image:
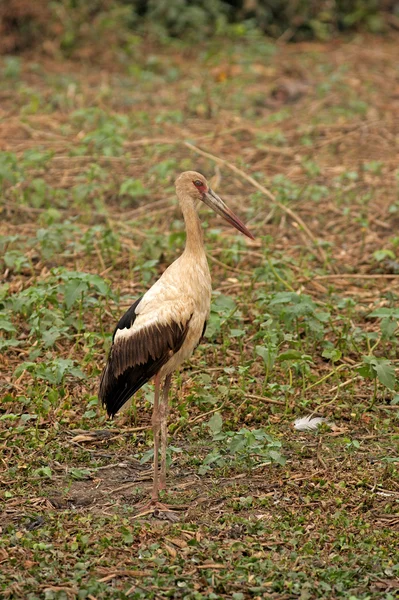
{"x":213,"y":201}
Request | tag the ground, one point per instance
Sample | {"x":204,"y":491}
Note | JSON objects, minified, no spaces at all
{"x":302,"y":142}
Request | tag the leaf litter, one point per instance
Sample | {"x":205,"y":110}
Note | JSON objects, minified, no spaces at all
{"x":310,"y":164}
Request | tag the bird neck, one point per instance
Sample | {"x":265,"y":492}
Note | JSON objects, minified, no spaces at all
{"x":194,"y":235}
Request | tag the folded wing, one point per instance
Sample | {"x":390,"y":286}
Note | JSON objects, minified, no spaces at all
{"x":141,"y":346}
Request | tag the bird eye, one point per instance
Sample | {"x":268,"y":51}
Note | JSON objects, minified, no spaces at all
{"x":198,"y":183}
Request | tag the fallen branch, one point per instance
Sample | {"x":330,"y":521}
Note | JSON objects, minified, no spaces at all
{"x":357,"y":276}
{"x":265,"y":399}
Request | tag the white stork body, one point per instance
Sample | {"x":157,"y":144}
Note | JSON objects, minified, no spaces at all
{"x":162,"y":329}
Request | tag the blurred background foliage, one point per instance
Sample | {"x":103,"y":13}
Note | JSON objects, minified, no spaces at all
{"x":65,"y":25}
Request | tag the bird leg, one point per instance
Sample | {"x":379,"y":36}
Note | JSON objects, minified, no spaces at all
{"x":159,"y":425}
{"x":164,"y":430}
{"x":156,"y":425}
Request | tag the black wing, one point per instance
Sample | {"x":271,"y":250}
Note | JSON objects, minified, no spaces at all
{"x":133,"y":360}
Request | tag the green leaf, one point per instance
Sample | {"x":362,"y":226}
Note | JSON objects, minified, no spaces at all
{"x":367,"y":372}
{"x":215,"y":423}
{"x":128,"y":538}
{"x":76,"y":372}
{"x":237,"y":332}
{"x":277,"y":457}
{"x":380,"y":255}
{"x":5,"y":324}
{"x":8,"y":344}
{"x":43,"y":472}
{"x":385,"y":312}
{"x":132,"y":187}
{"x":223,"y":304}
{"x":25,"y":366}
{"x":73,"y":290}
{"x":332,"y":354}
{"x":380,"y":368}
{"x":322,"y":316}
{"x":385,"y":373}
{"x":50,"y":336}
{"x":203,"y":469}
{"x":147,"y":456}
{"x":268,"y":355}
{"x":80,"y":474}
{"x":237,"y":443}
{"x":289,"y":355}
{"x":100,"y":285}
{"x":388,"y":327}
{"x":90,"y":414}
{"x":213,"y":327}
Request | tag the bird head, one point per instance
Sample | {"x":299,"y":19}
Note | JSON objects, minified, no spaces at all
{"x":194,"y":185}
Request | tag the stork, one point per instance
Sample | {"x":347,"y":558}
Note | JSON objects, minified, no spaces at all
{"x":163,"y":327}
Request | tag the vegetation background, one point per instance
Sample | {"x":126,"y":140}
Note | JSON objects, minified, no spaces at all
{"x":291,"y":109}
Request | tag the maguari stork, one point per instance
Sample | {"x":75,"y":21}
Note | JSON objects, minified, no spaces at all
{"x":163,"y":327}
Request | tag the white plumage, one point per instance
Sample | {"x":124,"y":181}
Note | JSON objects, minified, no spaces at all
{"x":309,"y":423}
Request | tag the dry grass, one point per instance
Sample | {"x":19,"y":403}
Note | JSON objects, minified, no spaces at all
{"x":323,"y":118}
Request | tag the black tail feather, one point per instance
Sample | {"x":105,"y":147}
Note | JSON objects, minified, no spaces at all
{"x":116,"y":391}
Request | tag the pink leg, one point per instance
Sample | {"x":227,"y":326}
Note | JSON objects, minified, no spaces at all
{"x":164,"y":429}
{"x":156,"y":422}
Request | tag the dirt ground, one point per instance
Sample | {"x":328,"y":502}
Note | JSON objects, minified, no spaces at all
{"x":302,"y":141}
